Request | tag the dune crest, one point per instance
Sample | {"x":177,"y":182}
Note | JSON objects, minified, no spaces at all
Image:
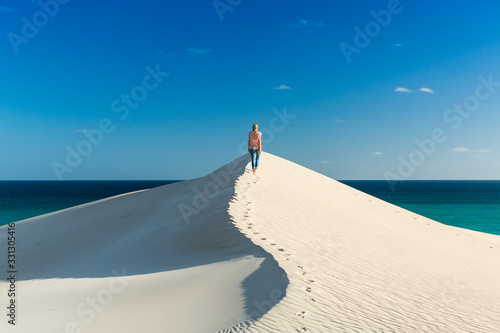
{"x":286,"y":250}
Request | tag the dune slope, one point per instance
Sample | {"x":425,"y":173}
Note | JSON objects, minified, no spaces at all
{"x":167,"y":259}
{"x":358,"y":264}
{"x":286,"y":250}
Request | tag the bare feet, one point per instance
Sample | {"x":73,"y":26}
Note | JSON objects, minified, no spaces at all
{"x":254,"y":171}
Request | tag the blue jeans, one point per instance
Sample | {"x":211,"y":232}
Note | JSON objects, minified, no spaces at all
{"x":255,"y":157}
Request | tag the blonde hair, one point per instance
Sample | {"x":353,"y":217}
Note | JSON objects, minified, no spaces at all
{"x":255,"y":127}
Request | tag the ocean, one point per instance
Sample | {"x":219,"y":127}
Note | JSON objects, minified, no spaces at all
{"x":470,"y":204}
{"x":467,"y":204}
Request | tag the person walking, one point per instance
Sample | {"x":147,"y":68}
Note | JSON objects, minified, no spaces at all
{"x":254,"y":146}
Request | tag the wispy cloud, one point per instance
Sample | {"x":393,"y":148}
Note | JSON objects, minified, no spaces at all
{"x":7,"y":9}
{"x":483,"y":150}
{"x":426,"y":90}
{"x":376,"y":153}
{"x":283,"y":87}
{"x":338,"y":121}
{"x":399,"y":44}
{"x":402,"y":89}
{"x":460,"y":150}
{"x":306,"y":24}
{"x":407,"y":90}
{"x":324,"y":162}
{"x":195,"y":51}
{"x":82,"y":130}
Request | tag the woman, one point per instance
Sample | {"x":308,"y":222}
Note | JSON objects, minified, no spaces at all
{"x":254,"y":146}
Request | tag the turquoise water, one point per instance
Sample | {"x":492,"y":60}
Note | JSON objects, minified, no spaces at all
{"x":467,"y":204}
{"x":20,"y":200}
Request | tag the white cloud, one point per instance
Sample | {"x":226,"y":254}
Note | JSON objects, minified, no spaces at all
{"x":82,"y":130}
{"x":283,"y":87}
{"x":460,"y":150}
{"x":427,"y":90}
{"x":324,"y":162}
{"x":194,"y":50}
{"x":483,"y":150}
{"x":376,"y":153}
{"x":338,"y":121}
{"x":401,"y":89}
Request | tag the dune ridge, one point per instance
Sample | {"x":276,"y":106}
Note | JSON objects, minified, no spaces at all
{"x":286,"y":250}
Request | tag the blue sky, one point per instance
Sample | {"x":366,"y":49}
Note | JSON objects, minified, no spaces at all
{"x":169,"y":89}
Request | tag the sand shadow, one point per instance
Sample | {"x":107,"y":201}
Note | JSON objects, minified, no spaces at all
{"x":145,"y":233}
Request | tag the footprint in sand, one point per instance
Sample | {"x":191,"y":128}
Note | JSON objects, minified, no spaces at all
{"x":281,"y":250}
{"x":263,"y":238}
{"x":301,"y":314}
{"x":308,"y":289}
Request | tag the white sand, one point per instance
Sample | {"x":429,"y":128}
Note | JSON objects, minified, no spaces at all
{"x":287,"y":250}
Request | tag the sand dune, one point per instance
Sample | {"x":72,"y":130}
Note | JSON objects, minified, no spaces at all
{"x":287,"y":250}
